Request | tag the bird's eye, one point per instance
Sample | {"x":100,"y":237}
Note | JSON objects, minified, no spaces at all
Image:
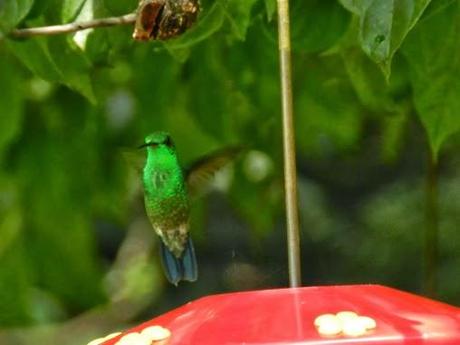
{"x":168,"y":142}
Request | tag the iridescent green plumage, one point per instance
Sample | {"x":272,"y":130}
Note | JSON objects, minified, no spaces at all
{"x":166,"y":198}
{"x":167,"y":206}
{"x":167,"y":202}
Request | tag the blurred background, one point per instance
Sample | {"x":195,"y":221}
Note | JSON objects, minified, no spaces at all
{"x":377,"y":120}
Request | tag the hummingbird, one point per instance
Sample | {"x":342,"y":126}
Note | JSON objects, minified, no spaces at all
{"x":168,"y":189}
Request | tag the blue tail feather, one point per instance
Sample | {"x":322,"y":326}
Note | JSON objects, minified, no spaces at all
{"x":184,"y":268}
{"x":189,"y":265}
{"x":171,"y":265}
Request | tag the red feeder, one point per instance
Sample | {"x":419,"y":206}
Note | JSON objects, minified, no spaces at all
{"x":286,"y":316}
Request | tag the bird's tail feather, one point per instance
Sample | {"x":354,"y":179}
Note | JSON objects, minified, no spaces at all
{"x":189,"y":265}
{"x":184,"y":268}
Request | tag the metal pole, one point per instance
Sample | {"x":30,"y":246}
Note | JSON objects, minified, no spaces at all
{"x":290,"y":173}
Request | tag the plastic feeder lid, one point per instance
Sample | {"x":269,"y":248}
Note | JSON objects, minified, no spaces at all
{"x":287,"y":316}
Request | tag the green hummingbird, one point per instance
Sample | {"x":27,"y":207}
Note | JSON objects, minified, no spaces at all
{"x":167,"y":195}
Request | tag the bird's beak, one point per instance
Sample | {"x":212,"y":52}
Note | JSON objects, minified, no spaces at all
{"x":143,"y":145}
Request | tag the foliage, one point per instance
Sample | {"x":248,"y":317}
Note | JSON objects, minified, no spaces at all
{"x":366,"y":75}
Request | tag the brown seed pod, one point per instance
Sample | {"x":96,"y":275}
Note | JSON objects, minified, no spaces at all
{"x":164,"y":19}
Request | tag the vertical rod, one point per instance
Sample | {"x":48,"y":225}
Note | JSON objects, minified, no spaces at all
{"x":290,"y":177}
{"x":431,"y":228}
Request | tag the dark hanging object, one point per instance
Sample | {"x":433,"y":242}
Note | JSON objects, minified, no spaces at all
{"x":164,"y":19}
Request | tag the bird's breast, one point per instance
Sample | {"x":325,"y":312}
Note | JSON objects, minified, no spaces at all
{"x":160,"y":180}
{"x":162,"y":184}
{"x":166,"y":200}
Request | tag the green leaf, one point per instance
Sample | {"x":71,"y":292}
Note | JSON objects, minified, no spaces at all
{"x":355,"y":6}
{"x":393,"y":135}
{"x":70,"y":9}
{"x":369,"y":84}
{"x":239,"y":15}
{"x":208,"y":23}
{"x":73,"y":65}
{"x":384,"y":25}
{"x":12,"y":12}
{"x":209,"y":103}
{"x":270,"y":6}
{"x":14,"y":280}
{"x":120,"y":7}
{"x":317,"y":24}
{"x":245,"y":194}
{"x":328,"y":114}
{"x":40,"y":8}
{"x":56,"y":60}
{"x":71,"y":269}
{"x":433,"y":52}
{"x":34,"y":53}
{"x":11,"y":103}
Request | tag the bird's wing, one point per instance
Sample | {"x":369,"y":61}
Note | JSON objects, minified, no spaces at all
{"x":134,"y":158}
{"x":200,"y":173}
{"x":134,"y":161}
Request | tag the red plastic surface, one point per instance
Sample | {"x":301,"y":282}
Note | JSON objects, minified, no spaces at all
{"x":285,"y":316}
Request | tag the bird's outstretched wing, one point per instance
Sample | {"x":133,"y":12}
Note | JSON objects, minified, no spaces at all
{"x":200,"y":173}
{"x":134,"y":158}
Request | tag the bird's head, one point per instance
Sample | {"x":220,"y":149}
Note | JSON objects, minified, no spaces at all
{"x":157,"y":140}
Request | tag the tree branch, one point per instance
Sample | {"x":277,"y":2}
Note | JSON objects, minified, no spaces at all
{"x":73,"y":27}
